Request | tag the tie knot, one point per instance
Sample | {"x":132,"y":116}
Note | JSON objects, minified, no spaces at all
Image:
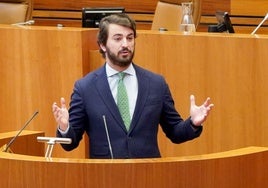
{"x":121,"y":75}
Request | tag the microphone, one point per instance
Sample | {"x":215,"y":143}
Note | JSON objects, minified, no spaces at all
{"x":108,"y":137}
{"x":29,"y":22}
{"x":264,"y":19}
{"x":14,"y":138}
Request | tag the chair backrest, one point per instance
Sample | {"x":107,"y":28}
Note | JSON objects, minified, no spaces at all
{"x":168,"y":14}
{"x":15,"y":11}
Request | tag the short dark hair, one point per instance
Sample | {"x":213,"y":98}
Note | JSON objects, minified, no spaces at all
{"x":118,"y":19}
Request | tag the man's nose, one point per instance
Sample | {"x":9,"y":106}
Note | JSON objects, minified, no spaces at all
{"x":124,"y":42}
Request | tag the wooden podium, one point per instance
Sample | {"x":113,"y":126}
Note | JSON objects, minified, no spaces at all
{"x":241,"y":168}
{"x":40,"y":64}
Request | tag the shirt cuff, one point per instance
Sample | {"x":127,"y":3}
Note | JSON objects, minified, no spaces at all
{"x":195,"y":127}
{"x":63,"y":133}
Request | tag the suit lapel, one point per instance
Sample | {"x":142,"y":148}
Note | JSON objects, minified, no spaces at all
{"x":143,"y":85}
{"x":104,"y":91}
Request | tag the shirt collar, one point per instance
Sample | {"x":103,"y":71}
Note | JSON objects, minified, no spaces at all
{"x":110,"y":71}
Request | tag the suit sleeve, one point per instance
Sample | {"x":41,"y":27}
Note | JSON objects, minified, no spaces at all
{"x":175,"y":128}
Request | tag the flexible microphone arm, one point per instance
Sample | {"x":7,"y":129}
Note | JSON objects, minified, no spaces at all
{"x":264,"y":19}
{"x":14,"y":138}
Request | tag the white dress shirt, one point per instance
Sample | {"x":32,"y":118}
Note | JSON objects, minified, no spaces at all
{"x":130,"y":81}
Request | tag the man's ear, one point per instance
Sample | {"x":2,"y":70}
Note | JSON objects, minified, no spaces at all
{"x":103,"y":47}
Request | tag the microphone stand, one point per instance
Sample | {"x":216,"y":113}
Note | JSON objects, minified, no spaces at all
{"x":5,"y":149}
{"x":29,"y":22}
{"x":264,"y":19}
{"x":51,"y":141}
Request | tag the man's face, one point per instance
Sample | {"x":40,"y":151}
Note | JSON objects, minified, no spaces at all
{"x":120,"y":45}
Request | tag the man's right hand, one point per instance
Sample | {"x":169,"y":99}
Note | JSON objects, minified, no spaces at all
{"x":61,"y":114}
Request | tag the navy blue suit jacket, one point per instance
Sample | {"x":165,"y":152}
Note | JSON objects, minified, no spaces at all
{"x":92,"y":99}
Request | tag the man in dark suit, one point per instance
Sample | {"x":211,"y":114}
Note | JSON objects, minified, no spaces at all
{"x":94,"y":106}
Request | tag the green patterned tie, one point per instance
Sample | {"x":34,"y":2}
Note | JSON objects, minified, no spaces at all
{"x":122,"y":100}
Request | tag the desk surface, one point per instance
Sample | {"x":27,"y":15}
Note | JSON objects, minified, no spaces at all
{"x":233,"y":169}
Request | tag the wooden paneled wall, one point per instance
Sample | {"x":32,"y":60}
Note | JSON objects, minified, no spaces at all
{"x":40,"y":64}
{"x":68,"y":12}
{"x":245,"y":14}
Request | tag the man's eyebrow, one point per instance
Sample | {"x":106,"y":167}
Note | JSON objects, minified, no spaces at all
{"x":119,"y":34}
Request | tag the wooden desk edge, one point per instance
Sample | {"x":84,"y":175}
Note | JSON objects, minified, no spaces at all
{"x":226,"y":154}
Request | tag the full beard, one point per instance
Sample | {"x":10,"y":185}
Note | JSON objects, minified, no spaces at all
{"x":120,"y":60}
